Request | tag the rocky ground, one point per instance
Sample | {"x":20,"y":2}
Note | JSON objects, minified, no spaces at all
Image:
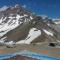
{"x":39,"y":48}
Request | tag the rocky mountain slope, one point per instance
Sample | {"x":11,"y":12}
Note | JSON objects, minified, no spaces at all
{"x":20,"y":26}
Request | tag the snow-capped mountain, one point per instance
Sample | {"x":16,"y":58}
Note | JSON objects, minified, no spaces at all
{"x":20,"y":26}
{"x":12,"y":18}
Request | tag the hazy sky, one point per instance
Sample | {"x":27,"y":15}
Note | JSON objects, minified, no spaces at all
{"x":50,"y":8}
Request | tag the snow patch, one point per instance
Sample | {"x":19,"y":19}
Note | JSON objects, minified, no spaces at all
{"x":57,"y":40}
{"x":31,"y":17}
{"x":48,"y":24}
{"x":9,"y":43}
{"x":33,"y":33}
{"x":17,"y":5}
{"x":3,"y":33}
{"x":25,"y":15}
{"x":47,"y":32}
{"x":58,"y":22}
{"x":2,"y":40}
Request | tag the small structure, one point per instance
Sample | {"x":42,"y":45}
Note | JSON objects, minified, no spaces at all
{"x":52,"y":44}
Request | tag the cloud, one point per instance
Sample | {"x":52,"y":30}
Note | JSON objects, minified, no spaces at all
{"x":3,"y":8}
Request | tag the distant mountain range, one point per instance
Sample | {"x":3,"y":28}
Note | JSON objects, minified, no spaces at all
{"x":20,"y":26}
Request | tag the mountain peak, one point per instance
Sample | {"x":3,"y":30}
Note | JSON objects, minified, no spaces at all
{"x":3,"y":8}
{"x":17,"y":5}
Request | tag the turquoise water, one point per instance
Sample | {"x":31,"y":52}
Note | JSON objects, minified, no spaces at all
{"x":28,"y":54}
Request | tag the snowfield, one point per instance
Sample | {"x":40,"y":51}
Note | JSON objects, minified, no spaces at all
{"x":6,"y":27}
{"x":48,"y":33}
{"x":33,"y":33}
{"x":2,"y":41}
{"x":58,"y":22}
{"x":11,"y":24}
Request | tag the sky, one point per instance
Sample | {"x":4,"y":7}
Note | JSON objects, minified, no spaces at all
{"x":50,"y":8}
